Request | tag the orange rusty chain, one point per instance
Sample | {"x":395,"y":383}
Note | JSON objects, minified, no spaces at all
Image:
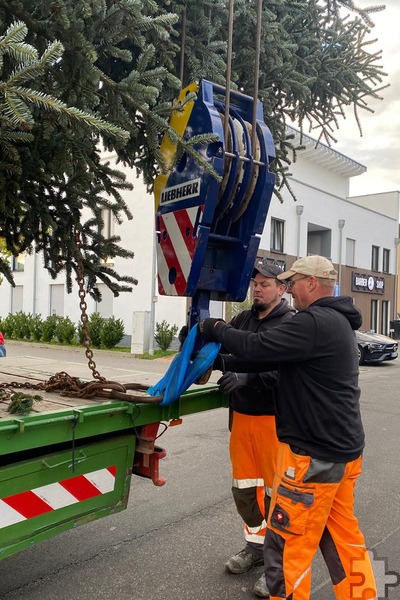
{"x":83,"y":306}
{"x":75,"y":387}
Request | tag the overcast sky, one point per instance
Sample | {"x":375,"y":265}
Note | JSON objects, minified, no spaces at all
{"x":379,"y":147}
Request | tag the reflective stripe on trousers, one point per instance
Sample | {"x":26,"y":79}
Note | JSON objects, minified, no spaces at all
{"x":253,"y":449}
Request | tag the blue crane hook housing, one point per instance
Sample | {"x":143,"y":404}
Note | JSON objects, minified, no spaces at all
{"x":208,"y":231}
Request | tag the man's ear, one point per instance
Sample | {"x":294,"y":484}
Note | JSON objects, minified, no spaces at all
{"x":313,"y":281}
{"x":282,"y":288}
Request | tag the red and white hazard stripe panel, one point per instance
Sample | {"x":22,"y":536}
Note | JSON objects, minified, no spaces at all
{"x":47,"y":498}
{"x":176,"y":249}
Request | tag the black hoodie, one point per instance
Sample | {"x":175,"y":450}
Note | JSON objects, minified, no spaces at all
{"x":257,"y":398}
{"x":315,"y":351}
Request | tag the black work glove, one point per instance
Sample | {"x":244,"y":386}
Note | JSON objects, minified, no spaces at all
{"x":219,"y":363}
{"x":182,"y":335}
{"x":230,"y":382}
{"x":206,"y":329}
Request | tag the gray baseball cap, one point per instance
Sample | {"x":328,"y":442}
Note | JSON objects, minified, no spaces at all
{"x":267,"y":269}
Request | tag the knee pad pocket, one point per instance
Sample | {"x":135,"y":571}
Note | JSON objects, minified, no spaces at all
{"x":247,"y":506}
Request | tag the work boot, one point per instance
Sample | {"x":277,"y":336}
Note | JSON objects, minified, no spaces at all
{"x":244,"y":561}
{"x":260,"y":588}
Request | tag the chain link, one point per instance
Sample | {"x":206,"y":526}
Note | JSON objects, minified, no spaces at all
{"x":83,"y":306}
{"x":72,"y":386}
{"x":69,"y":386}
{"x":21,"y":386}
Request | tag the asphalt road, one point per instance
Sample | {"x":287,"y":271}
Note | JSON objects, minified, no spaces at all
{"x":172,"y":541}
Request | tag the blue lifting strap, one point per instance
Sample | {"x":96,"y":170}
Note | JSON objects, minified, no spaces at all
{"x":182,"y":373}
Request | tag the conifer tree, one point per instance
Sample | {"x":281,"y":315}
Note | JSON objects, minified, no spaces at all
{"x":111,"y":68}
{"x":120,"y":67}
{"x":315,"y":62}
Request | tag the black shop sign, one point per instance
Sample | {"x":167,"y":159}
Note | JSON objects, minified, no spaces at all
{"x":371,"y":284}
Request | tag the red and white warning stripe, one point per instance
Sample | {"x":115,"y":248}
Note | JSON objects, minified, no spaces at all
{"x":47,"y":498}
{"x":176,"y":249}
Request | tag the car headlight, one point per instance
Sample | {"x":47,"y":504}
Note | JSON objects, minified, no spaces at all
{"x":376,"y":346}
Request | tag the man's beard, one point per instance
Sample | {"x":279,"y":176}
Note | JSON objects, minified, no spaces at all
{"x":259,"y":306}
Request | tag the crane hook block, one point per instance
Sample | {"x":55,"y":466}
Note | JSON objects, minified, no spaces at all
{"x":208,"y":227}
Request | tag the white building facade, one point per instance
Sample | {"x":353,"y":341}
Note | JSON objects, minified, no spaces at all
{"x":358,"y":234}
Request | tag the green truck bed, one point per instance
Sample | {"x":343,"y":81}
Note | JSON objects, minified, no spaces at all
{"x":72,"y":462}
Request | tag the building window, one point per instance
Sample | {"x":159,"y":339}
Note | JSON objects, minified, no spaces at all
{"x":17,"y":298}
{"x":319,"y":240}
{"x":385,"y":318}
{"x":18,"y":262}
{"x":108,"y":223}
{"x":277,"y":235}
{"x":350,"y":252}
{"x":375,"y":258}
{"x":105,"y":307}
{"x":107,"y":231}
{"x":57,"y":299}
{"x":374,"y":316}
{"x":386,"y":260}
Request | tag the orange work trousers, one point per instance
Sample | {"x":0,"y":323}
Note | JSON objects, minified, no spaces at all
{"x":313,"y":504}
{"x":253,"y":450}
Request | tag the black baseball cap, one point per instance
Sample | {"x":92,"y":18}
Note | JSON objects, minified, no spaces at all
{"x":267,"y":269}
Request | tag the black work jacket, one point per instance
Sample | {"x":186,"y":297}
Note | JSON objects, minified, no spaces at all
{"x":315,"y":351}
{"x":258,"y":398}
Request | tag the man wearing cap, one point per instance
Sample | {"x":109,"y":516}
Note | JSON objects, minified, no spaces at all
{"x":253,"y":442}
{"x":320,"y":434}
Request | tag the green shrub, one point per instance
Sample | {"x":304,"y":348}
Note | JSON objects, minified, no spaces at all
{"x":35,"y":326}
{"x":165,"y":334}
{"x":49,"y":328}
{"x":111,"y":332}
{"x":8,"y":326}
{"x":80,"y":333}
{"x":65,"y":331}
{"x":21,"y":326}
{"x":95,"y":325}
{"x":105,"y":333}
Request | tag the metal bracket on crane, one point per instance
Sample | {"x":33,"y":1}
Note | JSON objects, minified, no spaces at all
{"x":208,"y":231}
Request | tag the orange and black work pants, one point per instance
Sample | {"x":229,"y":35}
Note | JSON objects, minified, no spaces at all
{"x":253,"y":449}
{"x":313,"y":504}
